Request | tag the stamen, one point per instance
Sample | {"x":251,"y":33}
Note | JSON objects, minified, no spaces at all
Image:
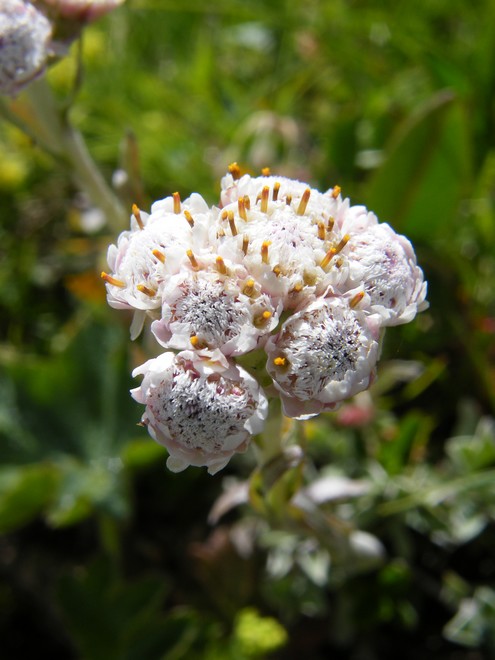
{"x":220,"y":233}
{"x":196,"y":342}
{"x":189,"y":218}
{"x":280,"y":361}
{"x":265,"y":171}
{"x":297,"y":288}
{"x":328,"y":257}
{"x":301,"y":209}
{"x":136,"y":212}
{"x":288,"y":200}
{"x":336,"y":191}
{"x":159,"y":255}
{"x":113,"y":280}
{"x":330,"y":224}
{"x":277,"y":270}
{"x":264,"y":251}
{"x":235,"y":170}
{"x":233,"y":228}
{"x":176,"y":197}
{"x":276,"y":189}
{"x":221,"y":267}
{"x":146,"y":290}
{"x":248,"y":288}
{"x":355,"y":300}
{"x":343,"y":243}
{"x":192,"y":259}
{"x":261,"y":319}
{"x":265,"y":194}
{"x":247,"y":202}
{"x":242,"y":208}
{"x":245,"y":243}
{"x":225,"y":215}
{"x":321,"y":231}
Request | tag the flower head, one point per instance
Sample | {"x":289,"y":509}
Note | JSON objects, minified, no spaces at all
{"x":84,"y":11}
{"x":25,"y":35}
{"x":200,"y":406}
{"x":323,"y":354}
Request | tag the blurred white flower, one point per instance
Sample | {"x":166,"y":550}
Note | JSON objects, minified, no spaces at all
{"x":82,"y":10}
{"x":25,"y":36}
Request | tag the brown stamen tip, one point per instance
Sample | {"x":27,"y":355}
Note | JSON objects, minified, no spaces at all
{"x":136,"y":212}
{"x":159,"y":255}
{"x":276,"y":190}
{"x":301,"y":209}
{"x":235,"y":170}
{"x":176,"y":197}
{"x":242,"y":208}
{"x":355,"y":300}
{"x":330,"y":224}
{"x":112,"y":280}
{"x":280,"y":361}
{"x":189,"y":218}
{"x":245,"y":243}
{"x":221,"y":267}
{"x":265,"y":194}
{"x":265,"y":171}
{"x":247,"y":202}
{"x":343,"y":243}
{"x":233,"y":228}
{"x":146,"y":290}
{"x":248,"y":288}
{"x":264,"y":251}
{"x":328,"y":257}
{"x":288,"y":200}
{"x":192,"y":259}
{"x":336,"y":191}
{"x":322,"y":233}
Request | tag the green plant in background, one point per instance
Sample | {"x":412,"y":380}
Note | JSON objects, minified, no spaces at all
{"x":381,"y":538}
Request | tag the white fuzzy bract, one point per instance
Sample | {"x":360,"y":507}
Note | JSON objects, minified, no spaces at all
{"x":25,"y":36}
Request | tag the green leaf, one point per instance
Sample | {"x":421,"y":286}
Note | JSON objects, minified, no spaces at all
{"x":419,"y":186}
{"x":24,"y":493}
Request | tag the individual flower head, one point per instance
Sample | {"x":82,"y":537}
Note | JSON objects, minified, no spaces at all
{"x":323,"y":354}
{"x":25,"y":35}
{"x":200,"y":406}
{"x":214,"y":309}
{"x":284,"y":233}
{"x":383,"y":265}
{"x":155,"y":248}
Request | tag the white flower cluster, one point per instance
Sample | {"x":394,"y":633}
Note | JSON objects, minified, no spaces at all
{"x":298,"y":275}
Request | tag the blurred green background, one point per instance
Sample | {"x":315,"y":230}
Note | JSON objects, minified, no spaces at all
{"x":106,"y":555}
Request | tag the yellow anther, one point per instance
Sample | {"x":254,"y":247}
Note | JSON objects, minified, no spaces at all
{"x":220,"y":233}
{"x":247,"y":202}
{"x":242,"y":208}
{"x":280,"y":361}
{"x":355,"y":300}
{"x":196,"y":342}
{"x":248,"y":288}
{"x":112,"y":280}
{"x":265,"y":171}
{"x":245,"y":243}
{"x":235,"y":170}
{"x":265,"y":194}
{"x":288,"y":200}
{"x":146,"y":290}
{"x":336,"y":191}
{"x":301,"y":209}
{"x":189,"y":218}
{"x":322,"y":233}
{"x":330,"y":224}
{"x":298,"y":287}
{"x":277,"y":270}
{"x":264,"y":251}
{"x":233,"y":228}
{"x":136,"y":212}
{"x":261,"y":319}
{"x":221,"y":267}
{"x":159,"y":255}
{"x":266,"y":315}
{"x":343,"y":242}
{"x":192,"y":259}
{"x":328,"y":257}
{"x":176,"y":197}
{"x":276,"y":190}
{"x":225,"y":215}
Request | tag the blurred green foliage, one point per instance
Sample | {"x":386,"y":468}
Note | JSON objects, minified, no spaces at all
{"x":381,"y":541}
